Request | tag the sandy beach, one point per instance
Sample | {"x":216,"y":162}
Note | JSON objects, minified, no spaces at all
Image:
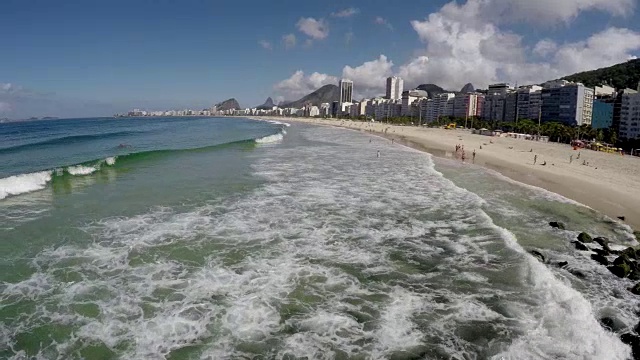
{"x":610,"y":183}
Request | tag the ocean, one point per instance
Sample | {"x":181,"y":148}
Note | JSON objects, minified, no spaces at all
{"x":229,"y":238}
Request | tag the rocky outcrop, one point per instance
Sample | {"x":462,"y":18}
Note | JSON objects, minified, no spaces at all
{"x":326,"y":94}
{"x":229,"y":104}
{"x":268,"y":104}
{"x":557,"y":225}
{"x":585,"y":238}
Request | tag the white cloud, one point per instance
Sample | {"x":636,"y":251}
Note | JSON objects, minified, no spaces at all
{"x":299,"y":85}
{"x":545,"y":47}
{"x":345,"y":13}
{"x":6,"y":87}
{"x":460,"y":48}
{"x":369,"y":78}
{"x":265,"y":44}
{"x":384,"y":22}
{"x":315,"y":29}
{"x":289,"y":41}
{"x":549,"y":11}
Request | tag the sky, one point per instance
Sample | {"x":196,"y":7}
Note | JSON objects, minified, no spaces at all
{"x":81,"y":58}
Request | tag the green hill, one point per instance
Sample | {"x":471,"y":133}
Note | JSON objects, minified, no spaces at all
{"x":620,"y":76}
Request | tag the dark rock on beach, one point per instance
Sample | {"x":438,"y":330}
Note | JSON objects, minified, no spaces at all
{"x":538,"y":255}
{"x":600,"y":259}
{"x":584,"y":238}
{"x":557,"y":225}
{"x":635,"y":289}
{"x":620,"y":270}
{"x":580,"y":246}
{"x":607,"y":323}
{"x":633,"y":341}
{"x":562,"y":264}
{"x":601,"y":252}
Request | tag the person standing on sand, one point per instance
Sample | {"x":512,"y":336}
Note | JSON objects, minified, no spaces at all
{"x":378,"y":155}
{"x":535,"y":159}
{"x":463,"y":156}
{"x":571,"y":159}
{"x":474,"y":155}
{"x":392,"y":140}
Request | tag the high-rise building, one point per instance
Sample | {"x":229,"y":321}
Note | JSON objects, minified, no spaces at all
{"x":466,"y":105}
{"x":529,"y":102}
{"x":346,"y":91}
{"x":602,"y":114}
{"x":571,"y":104}
{"x":395,"y":86}
{"x":630,"y":115}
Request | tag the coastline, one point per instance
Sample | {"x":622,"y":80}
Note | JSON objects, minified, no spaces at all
{"x":610,"y":183}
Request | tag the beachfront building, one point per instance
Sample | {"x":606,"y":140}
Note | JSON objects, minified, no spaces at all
{"x":395,"y":86}
{"x":467,"y":105}
{"x":571,"y":103}
{"x":325,"y":109}
{"x":529,"y":102}
{"x":409,"y":102}
{"x":500,"y":103}
{"x":602,"y":114}
{"x":604,"y":91}
{"x":630,"y":115}
{"x":346,"y":91}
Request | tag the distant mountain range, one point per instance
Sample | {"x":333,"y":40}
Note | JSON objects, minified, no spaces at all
{"x":230,"y":104}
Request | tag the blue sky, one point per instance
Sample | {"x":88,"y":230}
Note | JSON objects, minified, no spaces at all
{"x":90,"y":57}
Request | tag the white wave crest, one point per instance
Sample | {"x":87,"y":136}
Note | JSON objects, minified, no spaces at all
{"x":81,"y":170}
{"x":278,"y":123}
{"x":24,"y":183}
{"x":110,"y":160}
{"x":271,"y":139}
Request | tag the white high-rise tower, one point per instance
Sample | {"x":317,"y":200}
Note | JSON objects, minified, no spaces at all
{"x":346,"y":91}
{"x":395,"y":86}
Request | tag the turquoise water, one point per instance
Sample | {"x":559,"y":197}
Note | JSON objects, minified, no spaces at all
{"x":231,"y":238}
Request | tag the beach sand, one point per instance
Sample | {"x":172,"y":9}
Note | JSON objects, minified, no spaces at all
{"x":609,"y":184}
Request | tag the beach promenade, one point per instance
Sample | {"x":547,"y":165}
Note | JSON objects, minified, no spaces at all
{"x":610,"y":183}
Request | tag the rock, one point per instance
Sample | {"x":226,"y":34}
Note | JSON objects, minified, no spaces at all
{"x":577,"y":273}
{"x":635,"y":275}
{"x":630,"y":252}
{"x":621,"y":218}
{"x":584,"y":238}
{"x":622,"y":259}
{"x":637,"y":235}
{"x":620,"y":270}
{"x":607,"y":323}
{"x":603,"y":241}
{"x":580,"y":246}
{"x":601,"y":252}
{"x":637,"y":329}
{"x":562,"y":264}
{"x":633,"y":341}
{"x":600,"y":259}
{"x":635,"y":289}
{"x":538,"y":255}
{"x":557,"y":225}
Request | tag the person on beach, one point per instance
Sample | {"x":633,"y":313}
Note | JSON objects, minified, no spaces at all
{"x":378,"y":154}
{"x":578,"y":155}
{"x":369,"y":141}
{"x":474,"y":155}
{"x":463,"y":156}
{"x":392,"y":140}
{"x":570,"y":159}
{"x":535,"y":159}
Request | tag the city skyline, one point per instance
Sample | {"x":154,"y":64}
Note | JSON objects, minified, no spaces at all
{"x":85,"y":59}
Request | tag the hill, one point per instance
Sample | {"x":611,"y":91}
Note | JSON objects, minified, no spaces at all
{"x":468,"y":88}
{"x":432,"y":89}
{"x":268,"y":105}
{"x":620,"y":76}
{"x":230,"y":104}
{"x":326,"y":94}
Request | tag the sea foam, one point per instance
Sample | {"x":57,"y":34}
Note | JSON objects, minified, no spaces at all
{"x":24,"y":183}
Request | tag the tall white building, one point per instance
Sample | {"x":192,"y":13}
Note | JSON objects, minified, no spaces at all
{"x":395,"y":87}
{"x":409,"y":98}
{"x":346,"y":91}
{"x":630,"y":115}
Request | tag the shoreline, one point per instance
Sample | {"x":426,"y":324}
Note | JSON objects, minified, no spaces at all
{"x":609,"y":185}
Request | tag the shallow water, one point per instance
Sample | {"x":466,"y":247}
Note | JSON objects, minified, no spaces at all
{"x":308,"y":246}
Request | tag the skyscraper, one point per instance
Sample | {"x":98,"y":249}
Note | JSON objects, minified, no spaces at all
{"x":346,"y":91}
{"x":395,"y":86}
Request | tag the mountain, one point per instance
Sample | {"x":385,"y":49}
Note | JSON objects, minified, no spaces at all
{"x":326,"y":94}
{"x":230,"y":104}
{"x":620,"y":76}
{"x":467,"y":88}
{"x":268,"y":105}
{"x":432,"y":89}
